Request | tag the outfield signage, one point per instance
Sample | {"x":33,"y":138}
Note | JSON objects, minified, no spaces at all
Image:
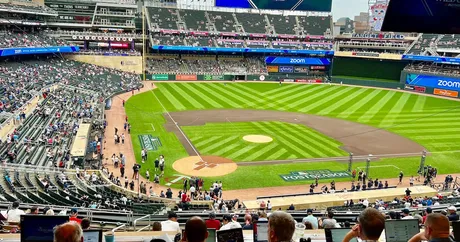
{"x":311,"y":175}
{"x":186,"y":77}
{"x":446,"y":93}
{"x":213,"y":77}
{"x":300,"y":69}
{"x":149,"y":142}
{"x":415,"y":88}
{"x":38,"y":50}
{"x":297,"y":61}
{"x":441,"y":82}
{"x":160,"y":77}
{"x":286,"y":69}
{"x":272,"y":68}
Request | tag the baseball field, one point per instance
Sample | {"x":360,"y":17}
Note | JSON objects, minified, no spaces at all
{"x":269,"y":131}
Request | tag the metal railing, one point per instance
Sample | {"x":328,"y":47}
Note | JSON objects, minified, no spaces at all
{"x":141,"y":219}
{"x":123,"y":226}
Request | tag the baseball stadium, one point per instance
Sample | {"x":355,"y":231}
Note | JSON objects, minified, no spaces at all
{"x":131,"y":116}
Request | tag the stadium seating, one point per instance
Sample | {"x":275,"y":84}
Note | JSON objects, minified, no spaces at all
{"x":283,"y":24}
{"x":10,"y":39}
{"x":314,"y":25}
{"x":445,"y":70}
{"x":195,"y":20}
{"x":421,"y":44}
{"x":163,"y":18}
{"x":224,"y":21}
{"x":451,"y":41}
{"x":202,"y":65}
{"x":167,"y":40}
{"x":25,"y":7}
{"x":252,"y":23}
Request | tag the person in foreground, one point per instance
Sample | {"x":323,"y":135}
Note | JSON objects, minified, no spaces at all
{"x":369,"y":227}
{"x":68,"y":232}
{"x":281,"y":227}
{"x":436,"y":229}
{"x":195,"y":230}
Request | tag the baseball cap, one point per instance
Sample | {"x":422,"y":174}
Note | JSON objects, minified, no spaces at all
{"x":309,"y":210}
{"x":406,"y":211}
{"x":227,"y":217}
{"x":453,"y":208}
{"x":73,"y":210}
{"x":429,"y":210}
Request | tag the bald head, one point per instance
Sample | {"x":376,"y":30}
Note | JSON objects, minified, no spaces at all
{"x":436,"y":226}
{"x":68,"y":232}
{"x":195,"y":230}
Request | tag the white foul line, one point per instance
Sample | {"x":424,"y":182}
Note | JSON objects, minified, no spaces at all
{"x":175,"y":123}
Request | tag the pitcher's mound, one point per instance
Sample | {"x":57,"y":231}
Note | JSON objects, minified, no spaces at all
{"x":209,"y":166}
{"x":258,"y":138}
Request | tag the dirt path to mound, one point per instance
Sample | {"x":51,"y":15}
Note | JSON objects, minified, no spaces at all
{"x":357,"y":138}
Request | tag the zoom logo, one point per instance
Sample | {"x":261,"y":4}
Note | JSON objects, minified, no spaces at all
{"x":444,"y":83}
{"x":297,"y":61}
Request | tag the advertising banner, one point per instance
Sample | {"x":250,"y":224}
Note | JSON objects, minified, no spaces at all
{"x":160,"y":77}
{"x":272,"y":68}
{"x":313,"y":174}
{"x":297,"y":60}
{"x":288,"y":80}
{"x":436,"y":59}
{"x":38,"y":50}
{"x":300,"y":69}
{"x":286,"y":69}
{"x":213,"y":77}
{"x":415,"y":88}
{"x":446,"y":93}
{"x":186,"y":77}
{"x":309,"y":80}
{"x":149,"y":142}
{"x":317,"y":67}
{"x":447,"y":83}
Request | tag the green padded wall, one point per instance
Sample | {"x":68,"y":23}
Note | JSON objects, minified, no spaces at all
{"x":368,"y":68}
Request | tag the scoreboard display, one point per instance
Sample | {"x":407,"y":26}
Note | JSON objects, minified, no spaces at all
{"x":303,"y":5}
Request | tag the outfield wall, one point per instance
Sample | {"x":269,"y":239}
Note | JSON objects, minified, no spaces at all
{"x":368,"y":68}
{"x":446,"y":86}
{"x":122,"y":63}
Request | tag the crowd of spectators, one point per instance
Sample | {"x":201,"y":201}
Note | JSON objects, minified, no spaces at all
{"x":9,"y":39}
{"x":26,"y":7}
{"x":220,"y":66}
{"x":433,"y":68}
{"x":111,"y":52}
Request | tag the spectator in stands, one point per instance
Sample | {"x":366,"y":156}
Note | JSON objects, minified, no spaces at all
{"x":328,"y":222}
{"x":13,"y":215}
{"x":428,"y":211}
{"x":228,"y":223}
{"x":34,"y":210}
{"x":436,"y":229}
{"x":291,"y":208}
{"x":311,"y":219}
{"x":171,"y":224}
{"x":452,"y":215}
{"x":369,"y":227}
{"x":68,"y":232}
{"x":156,"y":226}
{"x":406,"y":214}
{"x":281,"y":227}
{"x":85,"y":223}
{"x":73,"y":215}
{"x":212,"y":222}
{"x":195,"y":230}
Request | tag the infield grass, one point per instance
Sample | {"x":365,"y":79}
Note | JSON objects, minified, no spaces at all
{"x":432,"y":122}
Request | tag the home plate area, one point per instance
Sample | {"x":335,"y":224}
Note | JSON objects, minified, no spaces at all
{"x":207,"y":166}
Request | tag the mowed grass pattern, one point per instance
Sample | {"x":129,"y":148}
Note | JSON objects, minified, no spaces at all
{"x":432,"y":122}
{"x":403,"y":113}
{"x":290,"y":141}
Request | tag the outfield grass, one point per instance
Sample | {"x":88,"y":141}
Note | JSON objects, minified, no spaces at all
{"x":432,"y":122}
{"x":290,"y":141}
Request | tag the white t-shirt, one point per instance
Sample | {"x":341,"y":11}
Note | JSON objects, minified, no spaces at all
{"x":408,"y":217}
{"x":192,"y":189}
{"x":169,"y":225}
{"x":366,"y":203}
{"x":14,"y":215}
{"x":231,"y":225}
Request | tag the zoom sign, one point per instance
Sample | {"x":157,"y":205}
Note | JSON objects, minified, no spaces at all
{"x":297,"y":61}
{"x":286,"y":69}
{"x":447,"y":83}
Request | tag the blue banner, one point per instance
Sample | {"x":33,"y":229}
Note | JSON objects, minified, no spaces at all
{"x":243,"y":50}
{"x":286,"y":69}
{"x":435,"y":59}
{"x":310,"y":5}
{"x":297,"y":61}
{"x":38,"y":50}
{"x":447,"y":83}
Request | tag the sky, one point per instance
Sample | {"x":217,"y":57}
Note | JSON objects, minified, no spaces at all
{"x":348,"y":8}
